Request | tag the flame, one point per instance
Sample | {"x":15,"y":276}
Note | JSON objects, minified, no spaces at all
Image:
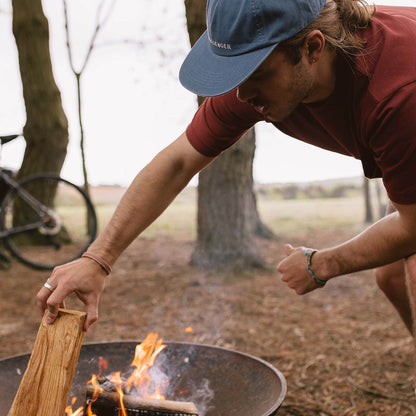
{"x":95,"y":395}
{"x":157,"y":395}
{"x":70,"y":412}
{"x":188,"y":329}
{"x":102,"y":365}
{"x":118,"y":383}
{"x":144,"y":358}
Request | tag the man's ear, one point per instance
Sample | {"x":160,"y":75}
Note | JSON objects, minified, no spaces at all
{"x":314,"y":45}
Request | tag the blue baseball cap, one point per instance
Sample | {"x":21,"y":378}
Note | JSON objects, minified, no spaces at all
{"x":240,"y":35}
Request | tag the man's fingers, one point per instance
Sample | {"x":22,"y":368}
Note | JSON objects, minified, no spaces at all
{"x":91,"y":308}
{"x":41,"y":299}
{"x":51,"y":314}
{"x":288,"y":249}
{"x":54,"y":302}
{"x":43,"y":295}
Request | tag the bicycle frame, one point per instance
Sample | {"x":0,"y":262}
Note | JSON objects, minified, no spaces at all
{"x":44,"y":213}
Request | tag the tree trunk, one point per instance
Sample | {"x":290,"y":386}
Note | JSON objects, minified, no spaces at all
{"x":367,"y":201}
{"x":380,"y":204}
{"x":227,"y":216}
{"x":46,"y":129}
{"x":227,"y":211}
{"x":195,"y":18}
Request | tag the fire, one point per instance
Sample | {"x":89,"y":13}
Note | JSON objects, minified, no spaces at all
{"x":97,"y":391}
{"x":144,"y":358}
{"x":188,"y":329}
{"x":118,"y":382}
{"x":102,"y":365}
{"x":70,"y":412}
{"x":157,"y":395}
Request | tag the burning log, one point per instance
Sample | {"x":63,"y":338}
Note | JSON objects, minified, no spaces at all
{"x":108,"y":404}
{"x":46,"y":384}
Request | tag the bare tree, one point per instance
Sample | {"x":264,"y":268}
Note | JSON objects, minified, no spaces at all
{"x":228,"y":219}
{"x":46,"y":129}
{"x":380,"y":196}
{"x":367,"y":201}
{"x":99,"y":23}
{"x":227,"y":215}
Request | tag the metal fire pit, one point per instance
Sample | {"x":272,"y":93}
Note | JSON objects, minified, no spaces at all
{"x":219,"y":381}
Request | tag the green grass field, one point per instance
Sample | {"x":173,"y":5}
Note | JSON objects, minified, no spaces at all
{"x":283,"y":216}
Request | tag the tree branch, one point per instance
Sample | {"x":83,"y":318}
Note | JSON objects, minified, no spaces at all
{"x":68,"y":42}
{"x":98,"y":27}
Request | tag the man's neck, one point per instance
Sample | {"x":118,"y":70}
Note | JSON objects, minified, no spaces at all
{"x":325,"y":77}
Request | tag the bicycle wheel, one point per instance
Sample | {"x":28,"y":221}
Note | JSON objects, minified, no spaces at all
{"x":66,"y":221}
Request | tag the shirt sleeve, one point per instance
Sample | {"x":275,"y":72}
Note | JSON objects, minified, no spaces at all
{"x":220,"y":122}
{"x":393,"y":143}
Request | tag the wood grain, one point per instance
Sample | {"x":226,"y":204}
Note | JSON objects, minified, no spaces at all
{"x":46,"y":384}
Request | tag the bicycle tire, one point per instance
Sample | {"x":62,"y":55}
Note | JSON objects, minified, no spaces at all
{"x":75,"y":212}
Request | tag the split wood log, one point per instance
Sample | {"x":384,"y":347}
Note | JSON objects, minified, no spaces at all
{"x":108,"y":401}
{"x":46,"y":384}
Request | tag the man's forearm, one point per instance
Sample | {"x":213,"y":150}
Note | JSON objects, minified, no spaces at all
{"x":386,"y":241}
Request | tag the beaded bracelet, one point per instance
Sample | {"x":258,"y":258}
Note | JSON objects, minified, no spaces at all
{"x":104,"y":265}
{"x":309,"y":254}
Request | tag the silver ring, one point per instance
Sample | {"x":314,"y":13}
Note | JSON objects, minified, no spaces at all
{"x":48,"y":286}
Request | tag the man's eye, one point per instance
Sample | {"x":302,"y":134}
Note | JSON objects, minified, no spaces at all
{"x":255,"y":76}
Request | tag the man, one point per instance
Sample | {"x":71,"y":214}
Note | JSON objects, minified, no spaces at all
{"x":336,"y":74}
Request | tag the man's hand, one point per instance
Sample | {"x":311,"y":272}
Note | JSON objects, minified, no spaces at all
{"x":83,"y":277}
{"x":295,"y":272}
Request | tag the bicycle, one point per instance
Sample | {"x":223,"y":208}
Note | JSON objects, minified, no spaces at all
{"x":45,"y":220}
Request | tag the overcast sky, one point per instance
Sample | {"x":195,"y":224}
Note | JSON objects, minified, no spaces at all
{"x":133,"y":102}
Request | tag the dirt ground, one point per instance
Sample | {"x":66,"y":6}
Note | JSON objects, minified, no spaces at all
{"x":342,"y":349}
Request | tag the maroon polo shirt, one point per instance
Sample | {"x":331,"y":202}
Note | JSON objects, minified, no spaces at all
{"x":371,"y":115}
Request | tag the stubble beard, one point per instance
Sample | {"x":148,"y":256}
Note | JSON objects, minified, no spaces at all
{"x":302,"y":88}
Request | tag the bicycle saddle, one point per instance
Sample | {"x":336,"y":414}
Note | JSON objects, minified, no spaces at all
{"x":9,"y":138}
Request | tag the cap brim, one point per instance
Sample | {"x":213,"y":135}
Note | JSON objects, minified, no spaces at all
{"x":208,"y":75}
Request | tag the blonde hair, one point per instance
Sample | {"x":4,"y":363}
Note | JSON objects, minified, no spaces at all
{"x":339,"y":22}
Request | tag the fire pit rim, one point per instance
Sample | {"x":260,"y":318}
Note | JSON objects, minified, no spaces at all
{"x":271,"y":367}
